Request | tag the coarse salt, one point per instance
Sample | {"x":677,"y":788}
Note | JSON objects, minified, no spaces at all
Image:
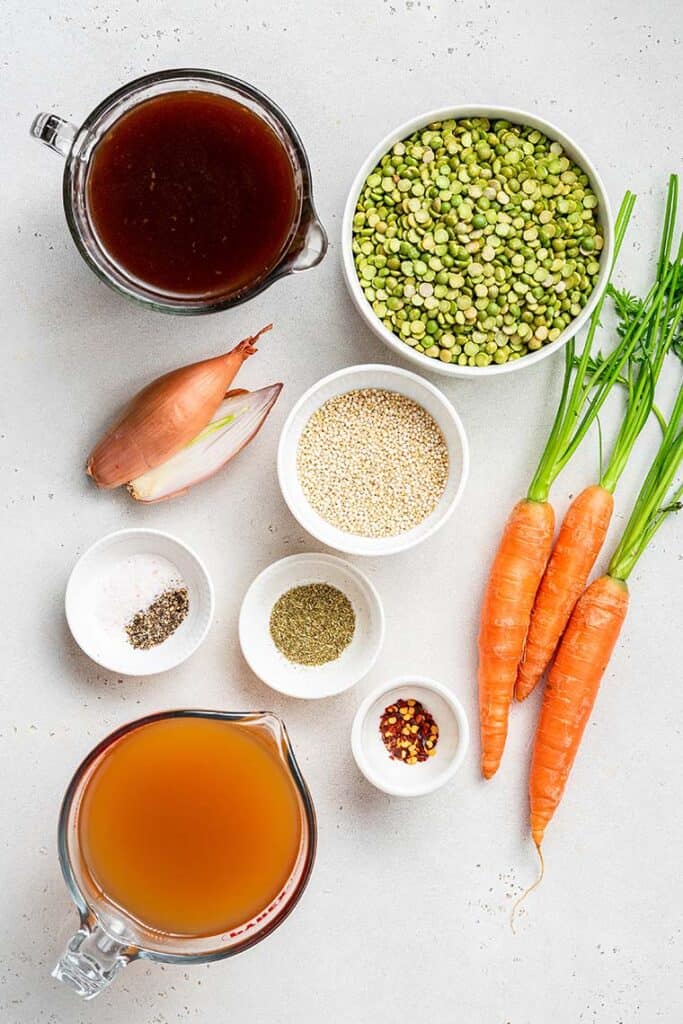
{"x":132,"y":585}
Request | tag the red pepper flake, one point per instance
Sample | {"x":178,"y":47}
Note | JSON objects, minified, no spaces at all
{"x":408,"y":731}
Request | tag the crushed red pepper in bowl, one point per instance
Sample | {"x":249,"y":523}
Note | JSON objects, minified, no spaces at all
{"x":409,"y":732}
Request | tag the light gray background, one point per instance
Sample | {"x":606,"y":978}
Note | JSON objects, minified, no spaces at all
{"x":406,"y":916}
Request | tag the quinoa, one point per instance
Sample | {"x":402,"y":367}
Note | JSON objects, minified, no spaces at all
{"x":372,"y":462}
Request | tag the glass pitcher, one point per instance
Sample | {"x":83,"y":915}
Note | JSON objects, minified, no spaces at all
{"x":304,"y":247}
{"x":109,"y":938}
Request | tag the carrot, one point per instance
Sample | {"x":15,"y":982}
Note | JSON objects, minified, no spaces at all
{"x":578,"y":544}
{"x":570,"y":694}
{"x":517,"y":569}
{"x":592,"y":632}
{"x":585,"y":526}
{"x":524,"y":549}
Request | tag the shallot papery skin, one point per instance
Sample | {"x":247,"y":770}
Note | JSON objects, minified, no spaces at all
{"x":235,"y":423}
{"x":165,"y":416}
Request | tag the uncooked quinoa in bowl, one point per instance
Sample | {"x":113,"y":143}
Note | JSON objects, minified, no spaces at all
{"x":372,"y":460}
{"x":476,"y":240}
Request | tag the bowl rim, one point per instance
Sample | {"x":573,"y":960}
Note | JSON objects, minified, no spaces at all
{"x":364,"y":582}
{"x":381,"y":545}
{"x":101,"y":542}
{"x":515,"y":115}
{"x":459,"y":713}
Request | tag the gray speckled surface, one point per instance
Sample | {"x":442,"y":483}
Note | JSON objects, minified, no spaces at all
{"x":601,"y":942}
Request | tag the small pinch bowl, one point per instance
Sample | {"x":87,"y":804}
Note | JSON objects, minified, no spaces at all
{"x":388,"y":378}
{"x":394,"y":777}
{"x":424,"y":363}
{"x":112,"y":651}
{"x":310,"y":681}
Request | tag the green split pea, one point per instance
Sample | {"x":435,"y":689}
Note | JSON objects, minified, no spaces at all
{"x":477,"y":241}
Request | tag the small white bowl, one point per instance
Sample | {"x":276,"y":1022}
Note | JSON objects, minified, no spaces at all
{"x":516,"y":116}
{"x":393,"y":776}
{"x":310,"y":681}
{"x":92,"y":599}
{"x":389,"y":378}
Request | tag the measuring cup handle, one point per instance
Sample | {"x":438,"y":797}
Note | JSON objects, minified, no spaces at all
{"x":54,"y":132}
{"x":91,"y":960}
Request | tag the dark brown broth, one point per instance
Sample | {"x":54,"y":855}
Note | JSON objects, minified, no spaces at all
{"x":192,"y":194}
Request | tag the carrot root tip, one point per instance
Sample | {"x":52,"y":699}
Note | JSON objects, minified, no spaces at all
{"x":534,"y":885}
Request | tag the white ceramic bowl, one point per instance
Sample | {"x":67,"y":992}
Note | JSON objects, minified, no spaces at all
{"x":97,"y":590}
{"x":393,"y":776}
{"x":310,"y":681}
{"x":572,"y":149}
{"x":389,"y":378}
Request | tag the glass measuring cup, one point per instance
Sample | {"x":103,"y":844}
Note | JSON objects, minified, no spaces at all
{"x":304,"y":246}
{"x":109,"y":938}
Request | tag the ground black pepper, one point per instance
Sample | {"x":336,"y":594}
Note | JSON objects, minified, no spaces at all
{"x":151,"y":626}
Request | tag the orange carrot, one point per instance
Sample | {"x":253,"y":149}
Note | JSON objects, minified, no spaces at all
{"x":525,"y":547}
{"x":593,"y":630}
{"x":577,"y":546}
{"x":570,"y":694}
{"x":585,"y":526}
{"x":515,"y":575}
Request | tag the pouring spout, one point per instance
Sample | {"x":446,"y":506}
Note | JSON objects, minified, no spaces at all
{"x":309,"y":246}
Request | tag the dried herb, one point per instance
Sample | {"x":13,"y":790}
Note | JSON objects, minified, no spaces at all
{"x":153,"y":625}
{"x":312,"y":624}
{"x":409,"y":732}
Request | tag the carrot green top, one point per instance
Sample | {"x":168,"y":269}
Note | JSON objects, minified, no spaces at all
{"x":655,"y":501}
{"x":588,"y":381}
{"x":646,"y":362}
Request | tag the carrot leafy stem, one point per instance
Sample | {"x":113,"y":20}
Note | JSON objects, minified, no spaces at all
{"x":654,"y":502}
{"x":647,"y":329}
{"x":576,"y":383}
{"x":647,"y":358}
